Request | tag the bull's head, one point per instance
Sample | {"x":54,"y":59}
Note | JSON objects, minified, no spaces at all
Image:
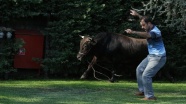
{"x":86,"y":44}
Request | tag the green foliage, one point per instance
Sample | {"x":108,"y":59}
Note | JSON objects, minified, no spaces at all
{"x":63,"y":33}
{"x":71,"y":18}
{"x":9,"y":48}
{"x":67,"y":19}
{"x":11,"y":9}
{"x":176,"y":24}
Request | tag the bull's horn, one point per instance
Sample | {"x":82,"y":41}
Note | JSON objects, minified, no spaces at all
{"x":81,"y":36}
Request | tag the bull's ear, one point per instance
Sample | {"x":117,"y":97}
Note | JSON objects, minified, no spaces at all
{"x":81,"y":36}
{"x":93,"y":42}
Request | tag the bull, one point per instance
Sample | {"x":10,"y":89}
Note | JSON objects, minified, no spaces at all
{"x":112,"y":48}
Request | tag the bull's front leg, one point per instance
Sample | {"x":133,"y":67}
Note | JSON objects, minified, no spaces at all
{"x":85,"y":74}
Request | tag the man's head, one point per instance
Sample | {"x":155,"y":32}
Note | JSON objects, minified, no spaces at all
{"x":146,"y":23}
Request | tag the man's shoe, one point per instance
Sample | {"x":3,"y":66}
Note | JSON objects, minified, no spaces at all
{"x":152,"y":98}
{"x":139,"y":94}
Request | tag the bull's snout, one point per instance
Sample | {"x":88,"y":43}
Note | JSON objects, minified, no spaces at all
{"x":79,"y":57}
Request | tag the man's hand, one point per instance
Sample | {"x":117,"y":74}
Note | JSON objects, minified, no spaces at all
{"x":129,"y":31}
{"x":134,"y":13}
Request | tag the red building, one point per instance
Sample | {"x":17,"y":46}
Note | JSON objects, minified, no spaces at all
{"x":33,"y":48}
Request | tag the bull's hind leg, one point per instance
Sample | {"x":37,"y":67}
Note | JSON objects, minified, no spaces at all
{"x":85,"y":74}
{"x":113,"y":77}
{"x":116,"y":67}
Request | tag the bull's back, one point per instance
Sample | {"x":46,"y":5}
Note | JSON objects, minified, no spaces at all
{"x":120,"y":46}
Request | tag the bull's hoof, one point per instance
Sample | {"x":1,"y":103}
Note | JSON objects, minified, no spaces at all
{"x":112,"y":80}
{"x":83,"y":77}
{"x":172,"y":80}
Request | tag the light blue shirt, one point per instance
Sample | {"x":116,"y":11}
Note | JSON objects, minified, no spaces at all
{"x":155,"y":43}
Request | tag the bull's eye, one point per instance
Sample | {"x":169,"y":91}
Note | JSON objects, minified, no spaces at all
{"x":84,"y":47}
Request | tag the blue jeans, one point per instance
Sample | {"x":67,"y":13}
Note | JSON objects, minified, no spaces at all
{"x":146,"y":70}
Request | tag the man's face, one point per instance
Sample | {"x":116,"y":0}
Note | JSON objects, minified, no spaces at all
{"x":145,"y":26}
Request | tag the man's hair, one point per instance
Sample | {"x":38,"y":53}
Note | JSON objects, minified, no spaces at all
{"x":146,"y":19}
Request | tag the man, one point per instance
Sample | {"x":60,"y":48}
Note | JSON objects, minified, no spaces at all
{"x":154,"y":61}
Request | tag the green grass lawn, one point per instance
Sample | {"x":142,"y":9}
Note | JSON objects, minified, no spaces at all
{"x":86,"y":92}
